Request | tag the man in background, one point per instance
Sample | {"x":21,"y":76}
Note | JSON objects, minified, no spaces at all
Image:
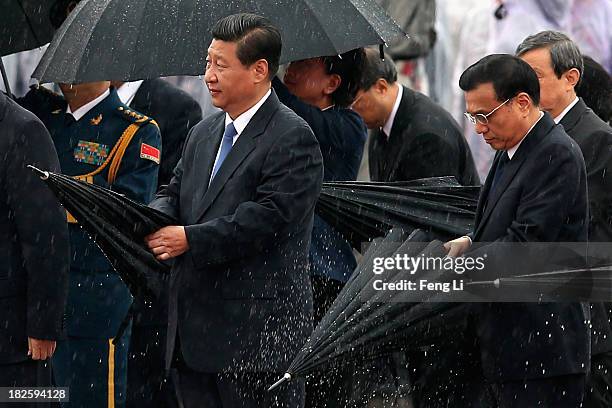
{"x":411,"y":137}
{"x":558,"y":64}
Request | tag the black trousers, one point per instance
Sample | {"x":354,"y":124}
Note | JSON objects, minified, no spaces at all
{"x":599,"y":387}
{"x":233,"y":390}
{"x":560,"y":392}
{"x":26,"y":374}
{"x":328,"y":388}
{"x":146,"y":383}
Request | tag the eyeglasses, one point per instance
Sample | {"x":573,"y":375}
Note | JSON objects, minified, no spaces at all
{"x":481,"y":118}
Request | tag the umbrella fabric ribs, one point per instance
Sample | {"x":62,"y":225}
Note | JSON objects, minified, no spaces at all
{"x":362,"y":211}
{"x":118,"y":225}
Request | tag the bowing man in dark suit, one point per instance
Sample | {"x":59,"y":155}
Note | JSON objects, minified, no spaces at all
{"x":411,"y":137}
{"x":175,"y":112}
{"x":34,"y":251}
{"x":558,"y":63}
{"x":243,"y":194}
{"x":529,"y":354}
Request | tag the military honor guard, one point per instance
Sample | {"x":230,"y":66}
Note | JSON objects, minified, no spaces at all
{"x":101,"y":141}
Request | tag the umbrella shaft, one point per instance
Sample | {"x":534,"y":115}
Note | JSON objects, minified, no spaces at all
{"x":7,"y":86}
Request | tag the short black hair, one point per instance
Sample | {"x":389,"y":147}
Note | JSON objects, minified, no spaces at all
{"x":349,"y":67}
{"x":596,"y":89}
{"x":508,"y":74}
{"x":256,"y":37}
{"x":377,"y":68}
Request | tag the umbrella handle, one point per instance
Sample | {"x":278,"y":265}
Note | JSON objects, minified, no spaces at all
{"x":42,"y":174}
{"x":286,"y":377}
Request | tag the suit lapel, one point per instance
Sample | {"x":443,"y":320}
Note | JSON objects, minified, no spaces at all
{"x":572,"y":117}
{"x":240,"y":151}
{"x":398,"y":138}
{"x":205,"y":154}
{"x":487,"y":203}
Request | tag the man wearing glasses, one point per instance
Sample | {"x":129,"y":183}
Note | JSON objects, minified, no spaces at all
{"x":528,"y":354}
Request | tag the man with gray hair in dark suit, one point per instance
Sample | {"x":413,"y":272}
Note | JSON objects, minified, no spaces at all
{"x":558,"y":64}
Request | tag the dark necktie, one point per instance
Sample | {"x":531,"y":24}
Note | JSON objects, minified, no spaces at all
{"x":499,"y":171}
{"x":226,"y":146}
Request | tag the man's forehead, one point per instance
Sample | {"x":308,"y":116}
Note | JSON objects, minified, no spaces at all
{"x":480,"y":98}
{"x":219,"y":47}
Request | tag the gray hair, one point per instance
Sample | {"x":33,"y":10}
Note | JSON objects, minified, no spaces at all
{"x":564,"y":53}
{"x":376,"y":68}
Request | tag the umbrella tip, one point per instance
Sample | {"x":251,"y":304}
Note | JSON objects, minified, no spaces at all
{"x":286,"y":377}
{"x":42,"y":174}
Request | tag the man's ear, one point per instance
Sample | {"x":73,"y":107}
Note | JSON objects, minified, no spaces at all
{"x":381,"y":86}
{"x":261,"y":70}
{"x":572,"y":77}
{"x":332,"y":84}
{"x":524,"y":102}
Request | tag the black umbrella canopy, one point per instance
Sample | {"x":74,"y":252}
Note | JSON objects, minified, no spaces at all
{"x":362,"y":211}
{"x":118,"y":225}
{"x":140,"y":39}
{"x":24,"y":24}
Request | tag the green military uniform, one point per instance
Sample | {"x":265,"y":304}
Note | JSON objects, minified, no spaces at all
{"x":117,"y":148}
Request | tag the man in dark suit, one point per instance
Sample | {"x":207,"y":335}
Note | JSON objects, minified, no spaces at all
{"x":34,"y":248}
{"x":244,"y":195}
{"x":175,"y":112}
{"x":411,"y":137}
{"x":535,"y":192}
{"x":558,"y":63}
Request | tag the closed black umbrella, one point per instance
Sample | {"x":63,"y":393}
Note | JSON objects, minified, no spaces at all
{"x":364,"y":323}
{"x":362,"y":211}
{"x":118,"y":225}
{"x":139,"y":39}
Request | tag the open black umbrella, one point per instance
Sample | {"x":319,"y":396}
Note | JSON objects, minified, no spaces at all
{"x":24,"y":24}
{"x":139,"y":39}
{"x":118,"y":225}
{"x":362,"y":211}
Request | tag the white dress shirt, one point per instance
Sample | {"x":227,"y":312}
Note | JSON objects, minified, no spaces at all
{"x":241,"y":122}
{"x":127,"y":91}
{"x":567,"y":109}
{"x":514,"y":148}
{"x":389,"y":124}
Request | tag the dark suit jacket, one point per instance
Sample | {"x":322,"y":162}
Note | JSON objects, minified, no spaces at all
{"x":594,"y":136}
{"x":541,"y":197}
{"x":241,"y":295}
{"x":33,"y":236}
{"x":425,"y":141}
{"x":175,"y":112}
